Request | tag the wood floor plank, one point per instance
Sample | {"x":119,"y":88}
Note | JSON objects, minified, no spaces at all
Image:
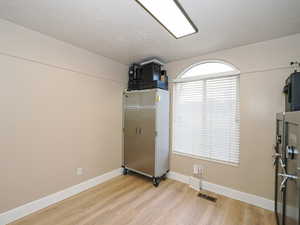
{"x":132,"y":200}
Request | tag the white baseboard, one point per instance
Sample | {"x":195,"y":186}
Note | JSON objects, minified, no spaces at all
{"x":228,"y":192}
{"x":231,"y":193}
{"x":31,"y":207}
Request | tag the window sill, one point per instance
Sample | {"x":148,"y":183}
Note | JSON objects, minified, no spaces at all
{"x":206,"y":159}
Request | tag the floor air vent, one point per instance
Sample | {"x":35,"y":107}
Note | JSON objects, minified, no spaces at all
{"x":207,"y":197}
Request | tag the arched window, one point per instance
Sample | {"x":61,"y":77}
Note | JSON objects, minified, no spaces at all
{"x":206,"y":112}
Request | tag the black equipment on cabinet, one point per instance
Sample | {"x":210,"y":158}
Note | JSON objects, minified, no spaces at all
{"x":147,"y":76}
{"x":134,"y":72}
{"x":151,"y":72}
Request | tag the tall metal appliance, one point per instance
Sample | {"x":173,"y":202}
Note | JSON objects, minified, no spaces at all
{"x":287,"y":168}
{"x":146,"y":133}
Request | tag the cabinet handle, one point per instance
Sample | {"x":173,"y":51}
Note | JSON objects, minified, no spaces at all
{"x":140,"y":131}
{"x":291,"y":152}
{"x":285,"y":179}
{"x":275,"y":157}
{"x":288,"y":176}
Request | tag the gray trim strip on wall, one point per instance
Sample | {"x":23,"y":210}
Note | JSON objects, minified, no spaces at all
{"x":61,"y":68}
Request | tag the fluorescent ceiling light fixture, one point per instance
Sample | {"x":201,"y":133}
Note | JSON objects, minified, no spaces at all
{"x":170,"y":15}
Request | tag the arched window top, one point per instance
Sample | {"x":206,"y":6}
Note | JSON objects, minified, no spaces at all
{"x":206,"y":69}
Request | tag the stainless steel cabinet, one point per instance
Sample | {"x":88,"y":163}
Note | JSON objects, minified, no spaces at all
{"x":146,"y":133}
{"x":287,"y":164}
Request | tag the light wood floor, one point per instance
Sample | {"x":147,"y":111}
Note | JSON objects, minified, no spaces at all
{"x":133,"y":200}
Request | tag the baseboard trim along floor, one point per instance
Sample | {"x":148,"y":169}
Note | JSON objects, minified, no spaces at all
{"x":31,"y":207}
{"x":228,"y":192}
{"x":232,"y":193}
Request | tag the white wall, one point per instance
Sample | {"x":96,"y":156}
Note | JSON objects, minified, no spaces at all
{"x":60,"y":109}
{"x":264,"y":68}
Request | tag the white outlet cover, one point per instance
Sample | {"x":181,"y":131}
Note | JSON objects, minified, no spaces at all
{"x":196,"y":169}
{"x":79,"y":171}
{"x":200,"y":169}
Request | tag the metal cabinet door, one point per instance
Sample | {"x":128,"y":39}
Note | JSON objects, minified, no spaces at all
{"x":147,"y":132}
{"x":280,"y":191}
{"x":131,"y":129}
{"x":292,"y":185}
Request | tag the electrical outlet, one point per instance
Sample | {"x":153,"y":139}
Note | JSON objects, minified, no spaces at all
{"x":196,"y":170}
{"x":200,"y":170}
{"x":79,"y":171}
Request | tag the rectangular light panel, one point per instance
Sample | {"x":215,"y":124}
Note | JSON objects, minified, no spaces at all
{"x":171,"y":15}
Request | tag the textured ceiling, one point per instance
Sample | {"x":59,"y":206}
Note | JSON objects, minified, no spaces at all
{"x":122,"y":30}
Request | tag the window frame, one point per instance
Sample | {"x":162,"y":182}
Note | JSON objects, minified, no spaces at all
{"x":179,"y":79}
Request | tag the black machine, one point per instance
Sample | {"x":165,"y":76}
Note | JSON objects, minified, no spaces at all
{"x":292,"y":90}
{"x":147,"y":76}
{"x":134,"y":75}
{"x":134,"y":72}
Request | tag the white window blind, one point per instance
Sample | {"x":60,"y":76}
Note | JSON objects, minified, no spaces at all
{"x":207,"y":119}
